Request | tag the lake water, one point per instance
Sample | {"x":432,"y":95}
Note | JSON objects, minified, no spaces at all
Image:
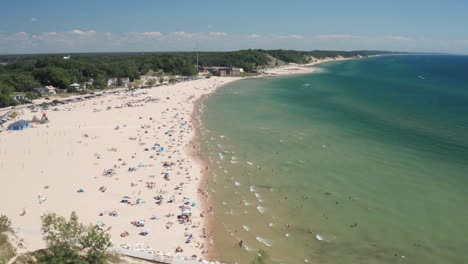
{"x":365,"y":162}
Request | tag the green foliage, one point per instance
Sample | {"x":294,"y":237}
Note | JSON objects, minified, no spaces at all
{"x":289,"y":56}
{"x":54,"y":76}
{"x":6,"y":249}
{"x":6,"y":100}
{"x":5,"y":224}
{"x":21,"y":82}
{"x":69,"y":241}
{"x":261,"y":258}
{"x":31,"y":95}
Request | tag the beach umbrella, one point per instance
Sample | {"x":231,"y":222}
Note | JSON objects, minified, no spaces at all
{"x":127,"y":197}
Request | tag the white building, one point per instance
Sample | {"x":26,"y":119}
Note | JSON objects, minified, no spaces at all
{"x":112,"y":82}
{"x":125,"y":81}
{"x":76,"y":86}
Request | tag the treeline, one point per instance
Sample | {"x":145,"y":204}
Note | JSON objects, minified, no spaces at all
{"x":294,"y":56}
{"x":22,"y":73}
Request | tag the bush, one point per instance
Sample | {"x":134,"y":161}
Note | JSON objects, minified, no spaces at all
{"x":5,"y":224}
{"x":69,"y":241}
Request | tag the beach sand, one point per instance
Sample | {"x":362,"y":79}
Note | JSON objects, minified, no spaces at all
{"x":142,"y":139}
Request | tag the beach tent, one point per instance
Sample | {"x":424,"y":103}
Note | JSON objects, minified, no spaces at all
{"x":19,"y":125}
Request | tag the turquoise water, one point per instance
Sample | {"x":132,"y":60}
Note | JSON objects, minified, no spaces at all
{"x":366,"y":162}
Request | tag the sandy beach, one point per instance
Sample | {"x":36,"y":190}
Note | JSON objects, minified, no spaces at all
{"x":121,"y":161}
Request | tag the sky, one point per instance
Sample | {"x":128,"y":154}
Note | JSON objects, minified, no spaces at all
{"x":63,"y":26}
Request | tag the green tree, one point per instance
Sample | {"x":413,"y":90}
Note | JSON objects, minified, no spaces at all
{"x":31,"y":95}
{"x":161,"y":80}
{"x":22,"y":82}
{"x":69,"y":241}
{"x":100,"y":82}
{"x":6,"y":100}
{"x":54,"y":76}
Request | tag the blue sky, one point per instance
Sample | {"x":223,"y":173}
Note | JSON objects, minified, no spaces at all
{"x":151,"y":25}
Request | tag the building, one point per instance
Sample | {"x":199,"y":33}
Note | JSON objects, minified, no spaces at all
{"x":124,"y":82}
{"x":221,"y":71}
{"x":203,"y":69}
{"x":19,"y":125}
{"x":112,"y":82}
{"x":42,"y":91}
{"x":51,"y":89}
{"x":45,"y":91}
{"x":75,"y":87}
{"x":89,"y":82}
{"x":20,"y":97}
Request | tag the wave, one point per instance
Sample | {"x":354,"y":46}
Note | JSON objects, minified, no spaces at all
{"x":264,"y":241}
{"x":261,"y":209}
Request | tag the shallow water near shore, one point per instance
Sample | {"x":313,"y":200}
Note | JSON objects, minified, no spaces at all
{"x":365,"y":162}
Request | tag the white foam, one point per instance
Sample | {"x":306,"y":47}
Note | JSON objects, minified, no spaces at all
{"x":252,"y":188}
{"x":250,"y":163}
{"x":264,"y":241}
{"x":261,"y":209}
{"x":237,"y":183}
{"x":319,"y":237}
{"x":246,"y":228}
{"x":248,"y":248}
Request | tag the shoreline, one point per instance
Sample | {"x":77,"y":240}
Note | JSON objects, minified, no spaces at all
{"x":195,"y":145}
{"x":189,"y":96}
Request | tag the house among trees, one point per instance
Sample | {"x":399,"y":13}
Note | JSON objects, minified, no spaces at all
{"x":76,"y":87}
{"x":220,"y":71}
{"x":45,"y":91}
{"x":118,"y":82}
{"x":124,"y":82}
{"x":112,"y":82}
{"x":20,"y":97}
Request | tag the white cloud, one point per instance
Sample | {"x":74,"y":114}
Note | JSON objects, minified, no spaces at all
{"x":217,"y":34}
{"x":82,"y":33}
{"x":19,"y":36}
{"x":154,"y":34}
{"x":183,"y":34}
{"x":293,"y":36}
{"x":34,"y":19}
{"x":334,"y":37}
{"x":84,"y":40}
{"x":398,"y":38}
{"x":254,"y":36}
